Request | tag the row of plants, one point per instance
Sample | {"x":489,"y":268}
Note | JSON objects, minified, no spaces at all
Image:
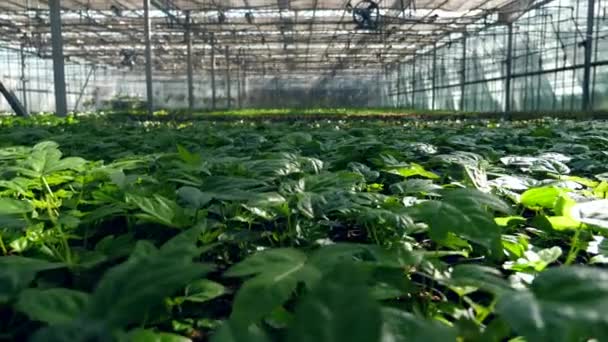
{"x":318,"y":230}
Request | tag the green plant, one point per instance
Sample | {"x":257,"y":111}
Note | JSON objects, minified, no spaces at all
{"x":325,"y":230}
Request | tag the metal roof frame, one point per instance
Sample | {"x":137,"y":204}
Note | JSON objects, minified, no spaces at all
{"x":268,"y":36}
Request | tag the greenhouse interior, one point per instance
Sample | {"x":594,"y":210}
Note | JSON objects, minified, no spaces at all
{"x":304,"y":170}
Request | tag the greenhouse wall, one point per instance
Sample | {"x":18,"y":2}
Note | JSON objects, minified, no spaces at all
{"x":90,"y":87}
{"x":547,"y":65}
{"x":30,"y":78}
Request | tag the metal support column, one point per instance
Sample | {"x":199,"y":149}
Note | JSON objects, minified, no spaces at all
{"x":238,"y":87}
{"x":228,"y":85}
{"x":23,"y":79}
{"x":238,"y":82}
{"x":84,"y":87}
{"x":244,"y":82}
{"x":434,"y":75}
{"x":61,"y":106}
{"x":509,"y":67}
{"x":587,"y":105}
{"x":148,"y":53}
{"x":386,"y":87}
{"x":12,"y":100}
{"x":213,"y":91}
{"x":379,"y":88}
{"x":189,"y":61}
{"x":398,"y":84}
{"x":414,"y":82}
{"x":463,"y":75}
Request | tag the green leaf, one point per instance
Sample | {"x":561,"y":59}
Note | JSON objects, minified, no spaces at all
{"x":400,"y":326}
{"x":497,"y":331}
{"x":487,"y":278}
{"x":203,"y":290}
{"x":415,"y":186}
{"x":581,"y":180}
{"x":267,"y":199}
{"x":30,"y":264}
{"x":80,"y":330}
{"x":18,"y":185}
{"x":538,"y":198}
{"x":159,"y":209}
{"x":327,"y":257}
{"x":193,"y":159}
{"x":9,"y":206}
{"x":339,"y":309}
{"x":116,"y":246}
{"x":45,"y":159}
{"x":146,"y":335}
{"x":105,"y":212}
{"x":141,"y":283}
{"x":119,"y":178}
{"x":594,"y":213}
{"x":564,"y":205}
{"x":463,"y":212}
{"x":599,"y":246}
{"x":413,"y":170}
{"x":535,"y":261}
{"x":557,"y":222}
{"x":70,"y":163}
{"x":52,"y":306}
{"x":277,"y":274}
{"x":547,"y":163}
{"x":184,"y":243}
{"x":601,"y":191}
{"x":566,"y":303}
{"x":16,"y":273}
{"x":231,"y":332}
{"x":477,"y":198}
{"x":194,"y":197}
{"x":279,"y":258}
{"x":389,"y":283}
{"x":509,"y":220}
{"x":305,"y":204}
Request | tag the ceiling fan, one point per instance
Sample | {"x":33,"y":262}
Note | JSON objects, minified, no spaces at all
{"x":366,"y":14}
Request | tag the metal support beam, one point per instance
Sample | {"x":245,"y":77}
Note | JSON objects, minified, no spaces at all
{"x":463,"y":75}
{"x":434,"y":80}
{"x":385,"y":87}
{"x":228,"y":85}
{"x":552,"y":71}
{"x":276,"y":86}
{"x":84,"y":87}
{"x":238,"y":82}
{"x":509,"y":67}
{"x":238,"y":87}
{"x":148,"y":53}
{"x":244,"y":82}
{"x":166,"y":6}
{"x":587,"y":105}
{"x":12,"y":100}
{"x":213,"y":92}
{"x":23,"y":79}
{"x":189,"y":61}
{"x":398,"y":84}
{"x":379,"y":89}
{"x":61,"y":106}
{"x":414,"y":82}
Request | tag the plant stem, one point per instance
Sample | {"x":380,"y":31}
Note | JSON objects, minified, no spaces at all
{"x":574,"y":249}
{"x":48,"y":188}
{"x":2,"y":246}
